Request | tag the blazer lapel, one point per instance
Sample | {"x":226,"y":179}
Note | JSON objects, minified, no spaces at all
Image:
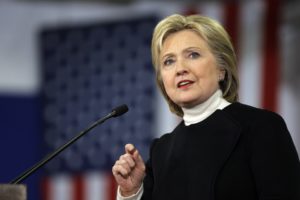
{"x":193,"y":156}
{"x":208,"y":147}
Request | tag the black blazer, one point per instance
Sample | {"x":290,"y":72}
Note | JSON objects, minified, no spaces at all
{"x":238,"y":153}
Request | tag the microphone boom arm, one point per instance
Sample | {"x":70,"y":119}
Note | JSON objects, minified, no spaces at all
{"x":116,"y":112}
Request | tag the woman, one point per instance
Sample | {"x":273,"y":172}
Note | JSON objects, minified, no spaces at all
{"x":222,"y":149}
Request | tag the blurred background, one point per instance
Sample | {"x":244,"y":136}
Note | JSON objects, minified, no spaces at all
{"x":64,"y":64}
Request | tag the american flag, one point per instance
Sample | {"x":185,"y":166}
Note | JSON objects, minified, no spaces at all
{"x":88,"y":70}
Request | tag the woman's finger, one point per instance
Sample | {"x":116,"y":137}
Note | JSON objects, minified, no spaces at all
{"x":120,"y":170}
{"x":129,"y":159}
{"x":129,"y":148}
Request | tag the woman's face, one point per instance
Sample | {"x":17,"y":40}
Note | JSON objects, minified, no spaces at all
{"x":188,"y":69}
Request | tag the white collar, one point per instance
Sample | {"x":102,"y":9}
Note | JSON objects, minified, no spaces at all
{"x":200,"y":112}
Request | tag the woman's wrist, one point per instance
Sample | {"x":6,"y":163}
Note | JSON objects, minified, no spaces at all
{"x":125,"y":193}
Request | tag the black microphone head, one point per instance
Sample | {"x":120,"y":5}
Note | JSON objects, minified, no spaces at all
{"x":120,"y":110}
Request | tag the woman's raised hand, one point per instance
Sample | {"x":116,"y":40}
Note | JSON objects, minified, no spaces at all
{"x":129,"y":171}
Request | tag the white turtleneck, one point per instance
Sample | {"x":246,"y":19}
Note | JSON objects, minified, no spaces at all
{"x":202,"y":111}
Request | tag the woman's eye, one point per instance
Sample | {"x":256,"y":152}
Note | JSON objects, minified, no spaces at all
{"x":168,"y":61}
{"x":194,"y":55}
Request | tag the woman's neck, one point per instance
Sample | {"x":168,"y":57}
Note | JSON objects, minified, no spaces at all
{"x":202,"y":111}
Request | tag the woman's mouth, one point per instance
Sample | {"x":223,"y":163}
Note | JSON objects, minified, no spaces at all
{"x":184,"y":83}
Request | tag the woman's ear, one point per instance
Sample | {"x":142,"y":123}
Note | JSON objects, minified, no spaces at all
{"x":222,"y":72}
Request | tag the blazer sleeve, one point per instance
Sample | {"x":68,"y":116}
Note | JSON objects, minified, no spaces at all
{"x":149,"y":179}
{"x":274,"y":160}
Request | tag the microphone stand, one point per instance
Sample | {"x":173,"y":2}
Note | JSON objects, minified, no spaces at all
{"x":116,"y":112}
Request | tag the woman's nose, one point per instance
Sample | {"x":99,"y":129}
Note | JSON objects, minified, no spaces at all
{"x":181,"y":69}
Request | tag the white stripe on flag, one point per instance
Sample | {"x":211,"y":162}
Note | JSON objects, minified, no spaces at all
{"x":61,"y":188}
{"x":96,"y":186}
{"x":289,"y":111}
{"x":165,"y":120}
{"x":214,"y":10}
{"x":250,"y":46}
{"x":289,"y":96}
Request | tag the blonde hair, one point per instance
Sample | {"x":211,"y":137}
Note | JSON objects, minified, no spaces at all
{"x":218,"y":41}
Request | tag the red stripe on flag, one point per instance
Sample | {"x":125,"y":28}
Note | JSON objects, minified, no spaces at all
{"x":78,"y":187}
{"x":190,"y":10}
{"x":45,"y":188}
{"x":231,"y":16}
{"x":271,"y":56}
{"x":111,"y":187}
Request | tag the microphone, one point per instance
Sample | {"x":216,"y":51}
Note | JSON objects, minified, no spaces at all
{"x":118,"y":111}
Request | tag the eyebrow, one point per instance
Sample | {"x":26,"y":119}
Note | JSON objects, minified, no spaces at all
{"x":184,"y":50}
{"x":167,"y":56}
{"x":191,"y":48}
